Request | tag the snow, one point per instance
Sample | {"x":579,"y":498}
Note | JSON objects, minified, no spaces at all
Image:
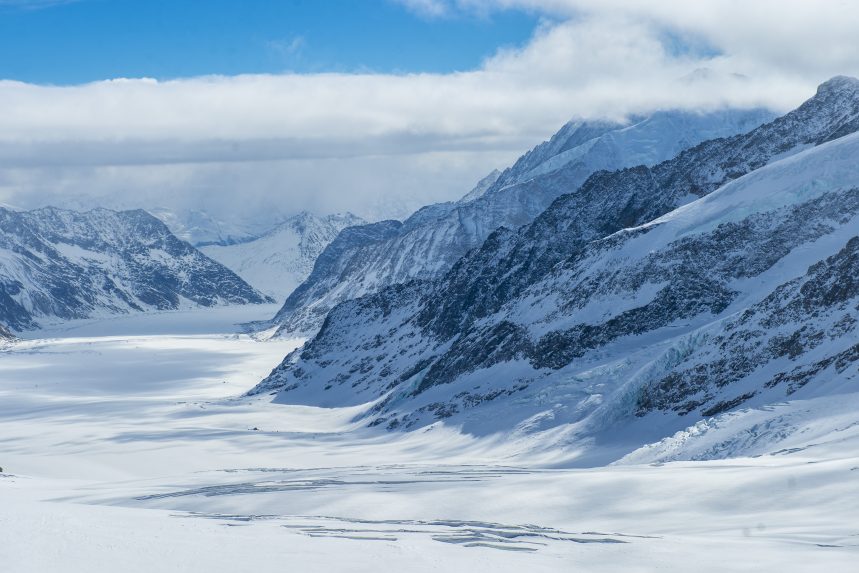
{"x":481,"y":187}
{"x":820,"y":427}
{"x":271,"y":264}
{"x":125,"y":448}
{"x":654,"y":139}
{"x":281,"y":259}
{"x":790,"y":181}
{"x":77,"y":253}
{"x":433,"y":239}
{"x":199,"y":227}
{"x":59,"y":264}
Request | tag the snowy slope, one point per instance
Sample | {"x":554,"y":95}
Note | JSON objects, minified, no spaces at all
{"x":645,"y":140}
{"x":482,"y":187}
{"x":281,"y":259}
{"x":428,"y":243}
{"x":742,"y":297}
{"x":58,"y":264}
{"x":200,"y":228}
{"x":143,"y":460}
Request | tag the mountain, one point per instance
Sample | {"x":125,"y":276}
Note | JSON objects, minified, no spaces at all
{"x":281,"y":259}
{"x":429,"y":242}
{"x":204,"y":227}
{"x":200,"y":228}
{"x":482,"y":187}
{"x":59,"y":264}
{"x":648,"y":299}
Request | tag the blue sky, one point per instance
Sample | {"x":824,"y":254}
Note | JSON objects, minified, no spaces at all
{"x":57,"y":42}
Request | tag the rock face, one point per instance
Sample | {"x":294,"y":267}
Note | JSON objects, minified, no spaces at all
{"x":610,"y":201}
{"x":722,"y":277}
{"x":804,"y":332}
{"x":58,"y":264}
{"x":430,"y":242}
{"x":281,"y":259}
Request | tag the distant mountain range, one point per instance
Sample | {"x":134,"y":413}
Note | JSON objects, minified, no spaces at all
{"x":639,"y":300}
{"x":279,"y":260}
{"x":201,"y":228}
{"x":57,"y":265}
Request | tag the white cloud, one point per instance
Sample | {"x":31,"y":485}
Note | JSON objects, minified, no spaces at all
{"x":427,"y":8}
{"x":287,"y":49}
{"x":335,"y":141}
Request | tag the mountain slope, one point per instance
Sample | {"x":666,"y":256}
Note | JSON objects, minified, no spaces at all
{"x":509,"y":262}
{"x":58,"y":264}
{"x":482,"y":187}
{"x":201,"y":228}
{"x":427,"y":244}
{"x":281,"y":259}
{"x":744,"y":296}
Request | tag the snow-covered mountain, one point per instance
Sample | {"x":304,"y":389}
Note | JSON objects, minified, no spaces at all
{"x":429,"y":242}
{"x":58,"y":264}
{"x":482,"y":187}
{"x":200,"y":228}
{"x":282,"y":258}
{"x":647,"y":299}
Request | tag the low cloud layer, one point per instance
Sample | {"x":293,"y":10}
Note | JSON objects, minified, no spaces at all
{"x":380,"y":145}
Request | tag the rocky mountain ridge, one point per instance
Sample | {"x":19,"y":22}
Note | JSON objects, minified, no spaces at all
{"x":717,"y":279}
{"x":57,"y":264}
{"x":429,"y":243}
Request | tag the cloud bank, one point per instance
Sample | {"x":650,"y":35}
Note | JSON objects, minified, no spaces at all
{"x":380,"y":145}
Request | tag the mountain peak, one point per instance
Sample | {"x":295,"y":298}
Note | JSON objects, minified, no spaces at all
{"x":347,"y":218}
{"x":839,"y":84}
{"x":304,"y":220}
{"x":482,"y":186}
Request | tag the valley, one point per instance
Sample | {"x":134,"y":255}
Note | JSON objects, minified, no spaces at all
{"x":128,"y":444}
